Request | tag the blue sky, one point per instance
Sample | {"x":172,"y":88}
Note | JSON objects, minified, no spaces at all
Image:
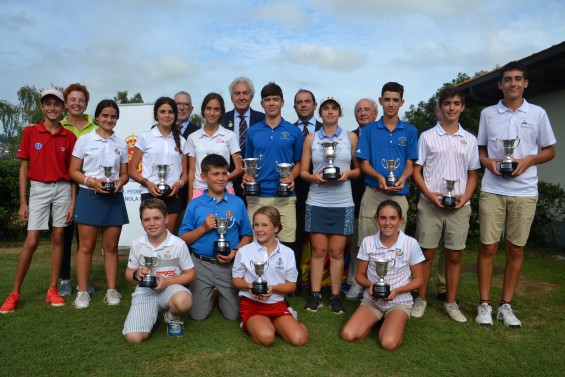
{"x":347,"y":49}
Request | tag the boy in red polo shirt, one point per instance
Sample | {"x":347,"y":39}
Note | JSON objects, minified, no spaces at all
{"x":45,"y":150}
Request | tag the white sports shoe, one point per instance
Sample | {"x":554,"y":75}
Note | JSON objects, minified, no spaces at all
{"x":82,"y":301}
{"x":506,"y":315}
{"x":419,"y":308}
{"x":452,"y":309}
{"x":484,"y":314}
{"x":354,"y":292}
{"x":112,"y":297}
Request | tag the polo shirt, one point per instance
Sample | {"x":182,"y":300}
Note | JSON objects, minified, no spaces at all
{"x":281,"y":267}
{"x":283,"y":143}
{"x":531,"y":125}
{"x":229,"y":206}
{"x":445,"y":156}
{"x":49,"y":155}
{"x":84,"y":131}
{"x":377,"y":143}
{"x":224,"y":143}
{"x":95,"y":151}
{"x":158,"y":149}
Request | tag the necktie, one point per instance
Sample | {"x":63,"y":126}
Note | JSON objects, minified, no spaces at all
{"x":305,"y":131}
{"x":242,"y":133}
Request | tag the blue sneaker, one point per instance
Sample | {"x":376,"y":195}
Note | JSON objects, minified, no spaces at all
{"x":174,"y":327}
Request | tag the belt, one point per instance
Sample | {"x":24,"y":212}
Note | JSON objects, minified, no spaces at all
{"x":204,"y":258}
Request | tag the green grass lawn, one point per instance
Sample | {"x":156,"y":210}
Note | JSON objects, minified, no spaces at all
{"x":39,"y":340}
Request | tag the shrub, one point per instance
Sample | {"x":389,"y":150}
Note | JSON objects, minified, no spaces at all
{"x":550,"y":209}
{"x":12,"y":228}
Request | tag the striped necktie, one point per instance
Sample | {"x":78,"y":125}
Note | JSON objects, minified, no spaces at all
{"x":305,"y":131}
{"x":242,"y":133}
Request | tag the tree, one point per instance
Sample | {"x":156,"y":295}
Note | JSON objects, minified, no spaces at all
{"x":197,"y":120}
{"x":9,"y":116}
{"x":122,"y":97}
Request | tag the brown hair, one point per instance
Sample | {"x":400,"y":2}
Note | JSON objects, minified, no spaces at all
{"x":272,"y":214}
{"x":152,"y":203}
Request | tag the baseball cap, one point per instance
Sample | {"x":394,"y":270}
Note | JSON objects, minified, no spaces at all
{"x":53,"y":92}
{"x":330,"y":98}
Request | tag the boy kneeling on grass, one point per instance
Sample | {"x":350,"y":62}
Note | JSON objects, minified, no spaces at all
{"x":174,"y":270}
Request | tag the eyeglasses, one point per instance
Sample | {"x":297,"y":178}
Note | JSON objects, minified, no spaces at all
{"x":184,"y":104}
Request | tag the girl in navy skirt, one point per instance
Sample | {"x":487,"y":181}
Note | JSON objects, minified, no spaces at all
{"x":96,"y":205}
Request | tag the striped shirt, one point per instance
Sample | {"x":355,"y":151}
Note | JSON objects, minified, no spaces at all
{"x":445,"y":156}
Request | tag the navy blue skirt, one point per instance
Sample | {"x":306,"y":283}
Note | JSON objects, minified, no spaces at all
{"x":326,"y":220}
{"x":100,"y":209}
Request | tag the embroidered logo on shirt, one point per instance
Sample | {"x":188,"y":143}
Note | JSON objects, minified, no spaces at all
{"x":62,"y":149}
{"x":117,"y":151}
{"x":284,"y":135}
{"x":167,"y":254}
{"x":402,"y":141}
{"x":38,"y":146}
{"x":463,"y":141}
{"x":280,"y":264}
{"x":399,"y":252}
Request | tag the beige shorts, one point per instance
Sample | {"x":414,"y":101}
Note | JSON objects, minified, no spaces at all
{"x":48,"y":199}
{"x":287,"y":209}
{"x":515,"y":212}
{"x":369,"y":203}
{"x":433,"y":221}
{"x":369,"y":304}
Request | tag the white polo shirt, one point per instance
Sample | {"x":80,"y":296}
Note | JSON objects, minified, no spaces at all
{"x":282,"y":267}
{"x":529,"y":123}
{"x":95,"y":151}
{"x":158,"y":149}
{"x":446,"y":156}
{"x":406,"y":252}
{"x":224,"y":142}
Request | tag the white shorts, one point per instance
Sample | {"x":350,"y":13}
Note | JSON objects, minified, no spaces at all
{"x":48,"y":199}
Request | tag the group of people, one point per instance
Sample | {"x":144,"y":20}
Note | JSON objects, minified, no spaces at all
{"x":313,"y":178}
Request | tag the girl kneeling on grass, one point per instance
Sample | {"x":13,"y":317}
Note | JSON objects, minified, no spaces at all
{"x":267,"y":314}
{"x":392,"y":244}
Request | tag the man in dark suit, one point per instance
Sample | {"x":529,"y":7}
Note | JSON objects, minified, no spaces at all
{"x":305,"y":106}
{"x":184,"y":104}
{"x":240,"y":118}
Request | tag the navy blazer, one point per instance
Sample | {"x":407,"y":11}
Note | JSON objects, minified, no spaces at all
{"x":254,"y":117}
{"x":316,"y":128}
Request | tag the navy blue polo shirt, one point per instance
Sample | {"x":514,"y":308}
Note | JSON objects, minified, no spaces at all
{"x":377,"y":143}
{"x":197,"y":211}
{"x":281,"y":144}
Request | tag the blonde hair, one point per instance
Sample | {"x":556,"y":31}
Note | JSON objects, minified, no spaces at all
{"x":272,"y":214}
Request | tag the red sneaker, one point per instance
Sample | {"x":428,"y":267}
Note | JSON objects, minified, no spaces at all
{"x":11,"y":303}
{"x":54,"y":297}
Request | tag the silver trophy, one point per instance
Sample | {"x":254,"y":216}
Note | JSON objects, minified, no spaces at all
{"x":449,"y":201}
{"x":221,"y":245}
{"x":330,"y":172}
{"x":259,"y":286}
{"x":162,"y":171}
{"x":391,"y":166}
{"x":284,"y":169}
{"x":108,"y":171}
{"x":250,"y":166}
{"x":381,"y":267}
{"x":508,"y":166}
{"x":149,"y":280}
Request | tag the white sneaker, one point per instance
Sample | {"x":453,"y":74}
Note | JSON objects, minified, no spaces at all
{"x":506,"y":315}
{"x":354,"y":292}
{"x":112,"y":297}
{"x":419,"y":308}
{"x":82,"y":301}
{"x":452,"y":309}
{"x":484,"y":314}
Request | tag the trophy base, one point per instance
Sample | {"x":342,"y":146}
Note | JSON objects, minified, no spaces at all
{"x":449,"y":201}
{"x":222,"y":247}
{"x":259,"y":288}
{"x":391,"y":181}
{"x":283,"y":190}
{"x":330,"y":174}
{"x":381,"y":291}
{"x":507,"y":168}
{"x":164,"y":189}
{"x":148,"y":282}
{"x":109,"y":186}
{"x":252,"y":189}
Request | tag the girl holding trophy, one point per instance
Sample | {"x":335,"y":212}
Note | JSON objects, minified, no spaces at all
{"x":403,"y":256}
{"x":264,"y":271}
{"x":99,"y":167}
{"x":163,"y":156}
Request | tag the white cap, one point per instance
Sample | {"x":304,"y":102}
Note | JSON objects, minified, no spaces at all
{"x":326,"y":99}
{"x":53,"y":92}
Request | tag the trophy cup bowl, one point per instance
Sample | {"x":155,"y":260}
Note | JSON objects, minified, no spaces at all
{"x":259,"y":285}
{"x":380,"y":288}
{"x":149,"y":281}
{"x":449,"y":201}
{"x":108,"y":171}
{"x":250,"y":166}
{"x":162,"y":171}
{"x":221,"y":245}
{"x":391,"y":166}
{"x":330,"y":172}
{"x":508,"y":166}
{"x":284,"y":168}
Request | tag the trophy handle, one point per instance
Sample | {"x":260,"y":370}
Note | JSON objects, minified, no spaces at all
{"x":261,"y":158}
{"x":383,"y":163}
{"x":393,"y":260}
{"x":266,"y":266}
{"x":397,"y":163}
{"x":277,"y":166}
{"x":232,"y":220}
{"x":516,"y":145}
